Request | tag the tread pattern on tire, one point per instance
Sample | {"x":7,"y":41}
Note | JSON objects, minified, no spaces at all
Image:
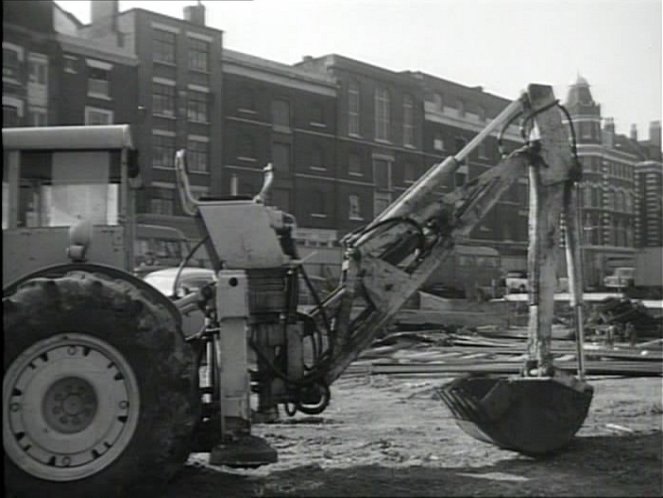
{"x":147,"y":334}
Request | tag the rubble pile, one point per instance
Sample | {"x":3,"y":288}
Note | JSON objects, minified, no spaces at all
{"x":620,"y":311}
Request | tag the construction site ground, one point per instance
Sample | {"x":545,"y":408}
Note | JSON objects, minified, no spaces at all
{"x":389,"y":436}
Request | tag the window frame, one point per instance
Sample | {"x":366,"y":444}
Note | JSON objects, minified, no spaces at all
{"x":197,"y":105}
{"x":197,"y":156}
{"x":197,"y":49}
{"x":277,"y":122}
{"x":101,"y":87}
{"x":354,"y":208}
{"x":161,"y":97}
{"x":164,"y":48}
{"x":158,"y":143}
{"x":382,"y":101}
{"x":408,"y":121}
{"x":90,"y":110}
{"x":354,"y":109}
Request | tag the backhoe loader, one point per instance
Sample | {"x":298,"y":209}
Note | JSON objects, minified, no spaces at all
{"x":103,"y":390}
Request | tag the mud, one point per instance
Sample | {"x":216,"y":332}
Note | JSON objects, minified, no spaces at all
{"x":383,"y":436}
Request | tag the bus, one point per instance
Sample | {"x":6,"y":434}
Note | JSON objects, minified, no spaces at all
{"x":470,"y":272}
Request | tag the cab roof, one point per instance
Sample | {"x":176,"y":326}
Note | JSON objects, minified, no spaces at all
{"x":68,"y":137}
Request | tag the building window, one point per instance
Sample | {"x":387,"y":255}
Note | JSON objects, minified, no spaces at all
{"x":353,"y":108}
{"x":10,"y":115}
{"x":596,"y":197}
{"x":96,"y":116}
{"x":11,"y":61}
{"x":382,"y":174}
{"x":38,"y":69}
{"x":162,"y":201}
{"x":382,"y":118}
{"x":354,"y":165}
{"x":281,"y":113}
{"x":481,"y":112}
{"x":198,"y":55}
{"x":247,"y":100}
{"x":164,"y":46}
{"x":163,"y":151}
{"x":461,"y":107}
{"x":317,"y":159}
{"x":408,"y":121}
{"x":318,"y":205}
{"x":409,"y":173}
{"x":98,"y":84}
{"x":38,"y":116}
{"x":197,"y":107}
{"x":354,"y":208}
{"x":70,"y":63}
{"x":317,"y":114}
{"x":438,"y":100}
{"x":438,"y":142}
{"x":197,"y":156}
{"x":163,"y":99}
{"x":281,"y":157}
{"x":246,"y":148}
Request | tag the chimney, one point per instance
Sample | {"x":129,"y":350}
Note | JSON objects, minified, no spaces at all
{"x":104,"y":13}
{"x":634,"y":133}
{"x":195,"y":14}
{"x":655,"y":133}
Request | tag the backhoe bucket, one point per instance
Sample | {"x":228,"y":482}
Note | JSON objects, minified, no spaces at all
{"x":530,"y":415}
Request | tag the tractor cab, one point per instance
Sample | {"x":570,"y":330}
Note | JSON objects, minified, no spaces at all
{"x":55,"y":178}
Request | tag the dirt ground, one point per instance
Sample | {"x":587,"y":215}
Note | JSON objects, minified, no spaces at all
{"x":383,"y":436}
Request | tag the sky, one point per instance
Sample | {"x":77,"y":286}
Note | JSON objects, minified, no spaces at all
{"x":501,"y":45}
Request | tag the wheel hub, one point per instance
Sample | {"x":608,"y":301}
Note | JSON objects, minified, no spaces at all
{"x":71,"y":405}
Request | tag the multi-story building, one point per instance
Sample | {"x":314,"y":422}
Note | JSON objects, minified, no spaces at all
{"x":179,"y":101}
{"x":346,"y":137}
{"x":453,"y":115}
{"x":649,"y":190}
{"x":614,"y":214}
{"x":53,"y":77}
{"x":284,"y":115}
{"x":380,"y":136}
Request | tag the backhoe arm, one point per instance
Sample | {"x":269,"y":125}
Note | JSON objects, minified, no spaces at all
{"x":387,"y":261}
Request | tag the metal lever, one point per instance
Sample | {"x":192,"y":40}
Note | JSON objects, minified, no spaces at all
{"x":266,"y":185}
{"x":189,"y":202}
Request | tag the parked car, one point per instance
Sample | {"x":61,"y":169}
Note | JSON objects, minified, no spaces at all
{"x":190,"y":280}
{"x":516,"y":281}
{"x":621,"y":278}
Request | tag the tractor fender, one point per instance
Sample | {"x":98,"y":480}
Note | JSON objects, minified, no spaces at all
{"x":110,"y":271}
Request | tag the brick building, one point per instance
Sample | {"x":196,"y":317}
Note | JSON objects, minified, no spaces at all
{"x":283,"y":115}
{"x":346,"y":137}
{"x":380,"y":136}
{"x":179,"y":101}
{"x":453,"y":115}
{"x":53,"y":77}
{"x":618,"y":200}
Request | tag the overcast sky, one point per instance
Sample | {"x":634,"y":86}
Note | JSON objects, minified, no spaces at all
{"x":501,"y":45}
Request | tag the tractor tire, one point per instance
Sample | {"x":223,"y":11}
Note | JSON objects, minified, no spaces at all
{"x":100,"y":390}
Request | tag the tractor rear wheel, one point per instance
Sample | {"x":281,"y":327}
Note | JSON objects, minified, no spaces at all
{"x":100,"y":391}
